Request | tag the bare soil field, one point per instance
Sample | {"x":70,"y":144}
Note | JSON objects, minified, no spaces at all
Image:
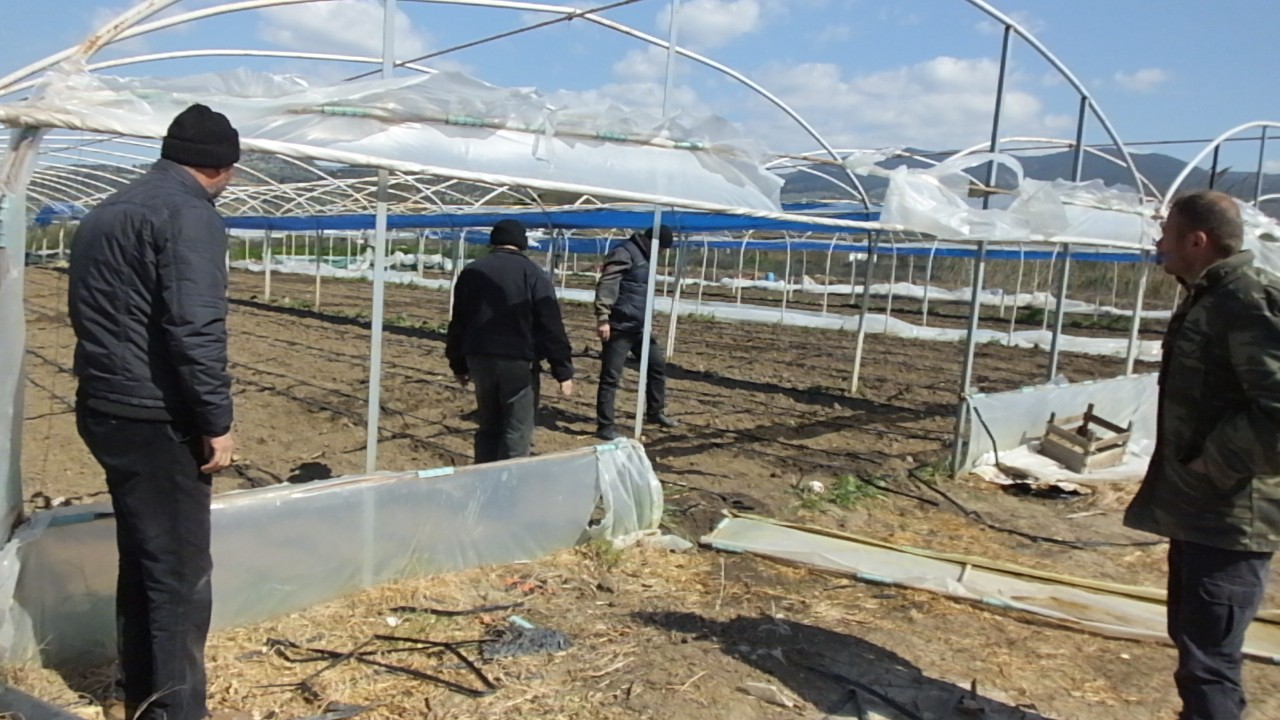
{"x":655,"y":634}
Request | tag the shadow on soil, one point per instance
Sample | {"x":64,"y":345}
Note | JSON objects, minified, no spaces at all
{"x":838,"y":674}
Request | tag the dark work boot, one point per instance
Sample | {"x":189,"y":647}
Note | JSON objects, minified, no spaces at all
{"x":608,"y":433}
{"x":660,"y":420}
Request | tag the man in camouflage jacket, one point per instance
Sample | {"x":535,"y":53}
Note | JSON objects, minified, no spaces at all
{"x":1213,"y":485}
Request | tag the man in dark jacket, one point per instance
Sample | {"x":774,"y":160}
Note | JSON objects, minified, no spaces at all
{"x":1213,"y":485}
{"x":147,"y":300}
{"x":622,"y":296}
{"x":506,"y":319}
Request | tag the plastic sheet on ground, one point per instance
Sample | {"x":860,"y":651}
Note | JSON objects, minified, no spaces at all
{"x":284,"y":548}
{"x":1025,"y":465}
{"x":1114,"y":610}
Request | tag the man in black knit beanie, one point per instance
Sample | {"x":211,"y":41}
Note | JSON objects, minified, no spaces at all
{"x":147,"y":299}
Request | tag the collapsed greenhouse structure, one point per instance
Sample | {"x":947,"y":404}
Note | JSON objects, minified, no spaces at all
{"x":445,"y":157}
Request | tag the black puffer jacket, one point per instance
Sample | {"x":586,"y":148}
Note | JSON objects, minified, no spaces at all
{"x":148,"y":302}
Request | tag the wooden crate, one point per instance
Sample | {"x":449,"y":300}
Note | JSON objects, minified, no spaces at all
{"x":1085,"y":442}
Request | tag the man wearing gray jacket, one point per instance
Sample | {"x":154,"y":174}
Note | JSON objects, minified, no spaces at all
{"x":147,"y":300}
{"x":622,"y":299}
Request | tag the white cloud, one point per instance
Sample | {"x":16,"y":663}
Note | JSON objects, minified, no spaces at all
{"x":342,"y":26}
{"x":835,"y":33}
{"x":1142,"y":81}
{"x":945,"y":102}
{"x":1029,"y":22}
{"x":712,"y":23}
{"x":642,"y":64}
{"x":1271,"y":166}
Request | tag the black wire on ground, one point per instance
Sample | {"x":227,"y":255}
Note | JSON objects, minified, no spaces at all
{"x":978,"y":518}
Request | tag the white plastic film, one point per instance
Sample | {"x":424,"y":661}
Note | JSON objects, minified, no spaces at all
{"x":445,"y":121}
{"x":284,"y":548}
{"x":1017,"y":417}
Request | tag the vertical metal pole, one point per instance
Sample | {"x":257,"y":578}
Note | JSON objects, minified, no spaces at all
{"x":675,"y":298}
{"x":928,"y":283}
{"x":666,"y":267}
{"x":862,"y":316}
{"x":853,"y":275}
{"x":979,"y":267}
{"x":1262,"y":151}
{"x":715,"y":265}
{"x":1077,"y":152}
{"x":893,"y":279}
{"x":995,"y":120}
{"x":1213,"y":169}
{"x":804,"y":266}
{"x":1058,"y":315}
{"x":422,"y":248}
{"x":266,"y":266}
{"x":1131,"y":353}
{"x":564,"y":269}
{"x":970,"y":345}
{"x":702,"y":277}
{"x":379,"y":276}
{"x":742,"y":256}
{"x":457,"y":266}
{"x":1017,"y":291}
{"x":1115,"y":284}
{"x":786,"y":277}
{"x":826,"y":279}
{"x":1048,"y":279}
{"x":647,"y":336}
{"x":316,"y":304}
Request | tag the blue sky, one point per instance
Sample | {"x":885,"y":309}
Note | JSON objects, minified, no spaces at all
{"x":866,"y":73}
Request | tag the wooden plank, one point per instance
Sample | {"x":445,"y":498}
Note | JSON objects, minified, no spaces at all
{"x":1067,"y":436}
{"x":1094,"y":419}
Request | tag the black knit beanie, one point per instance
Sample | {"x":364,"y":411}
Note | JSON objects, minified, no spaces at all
{"x":201,"y":138}
{"x":509,"y":232}
{"x":665,"y":238}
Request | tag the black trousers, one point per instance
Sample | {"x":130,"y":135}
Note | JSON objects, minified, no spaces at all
{"x":613,"y":358}
{"x":506,"y":401}
{"x":1213,"y":596}
{"x":163,"y":595}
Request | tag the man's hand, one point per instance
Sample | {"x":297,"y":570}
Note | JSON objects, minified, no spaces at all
{"x":1198,"y":465}
{"x":603,"y":331}
{"x":217,"y":453}
{"x":462,"y":379}
{"x":566,"y":388}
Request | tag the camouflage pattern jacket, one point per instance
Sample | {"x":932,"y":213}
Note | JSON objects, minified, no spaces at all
{"x":1214,"y":477}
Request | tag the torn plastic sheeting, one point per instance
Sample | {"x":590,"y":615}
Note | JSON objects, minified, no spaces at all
{"x":284,"y":548}
{"x":1098,"y":607}
{"x":444,"y":120}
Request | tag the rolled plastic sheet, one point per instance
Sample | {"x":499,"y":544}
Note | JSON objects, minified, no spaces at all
{"x":282,"y":549}
{"x":446,"y":121}
{"x":1114,"y":610}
